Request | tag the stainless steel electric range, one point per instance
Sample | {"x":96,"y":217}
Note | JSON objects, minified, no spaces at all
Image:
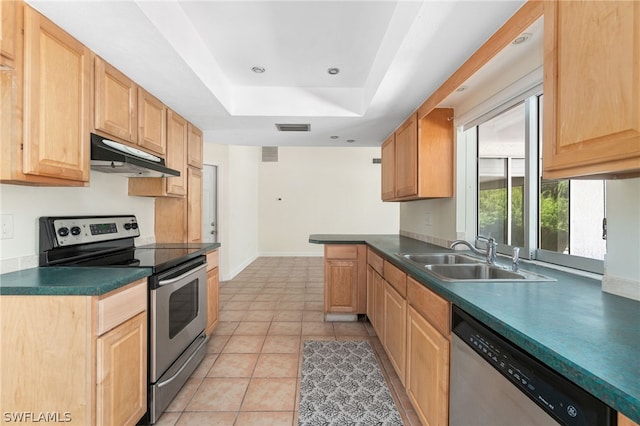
{"x":177,"y":290}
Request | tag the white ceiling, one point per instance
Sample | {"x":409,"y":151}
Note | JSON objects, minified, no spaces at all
{"x":196,"y":56}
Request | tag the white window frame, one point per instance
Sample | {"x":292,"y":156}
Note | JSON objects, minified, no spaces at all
{"x":530,"y":250}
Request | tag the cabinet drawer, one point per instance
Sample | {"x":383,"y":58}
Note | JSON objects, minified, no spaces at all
{"x":117,"y":307}
{"x":396,"y":278}
{"x":433,"y":307}
{"x":341,"y":251}
{"x":212,"y":260}
{"x":375,"y":261}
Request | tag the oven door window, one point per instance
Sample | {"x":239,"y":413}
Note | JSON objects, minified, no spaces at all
{"x":183,"y":307}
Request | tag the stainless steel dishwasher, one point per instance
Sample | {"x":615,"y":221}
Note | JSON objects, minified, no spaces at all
{"x":495,"y":383}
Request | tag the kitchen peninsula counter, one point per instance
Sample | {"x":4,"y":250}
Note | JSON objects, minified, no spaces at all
{"x":571,"y":325}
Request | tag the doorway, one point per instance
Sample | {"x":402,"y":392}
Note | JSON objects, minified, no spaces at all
{"x":210,"y":224}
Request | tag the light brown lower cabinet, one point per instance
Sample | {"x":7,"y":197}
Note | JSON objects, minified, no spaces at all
{"x":427,"y":382}
{"x":120,"y":379}
{"x":213,"y":284}
{"x":395,"y":329}
{"x":80,"y":359}
{"x":428,"y":347}
{"x":345,"y":278}
{"x":375,"y":300}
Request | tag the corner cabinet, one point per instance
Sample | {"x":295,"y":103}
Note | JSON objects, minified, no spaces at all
{"x":84,"y":357}
{"x":345,"y":279}
{"x":592,"y":89}
{"x":47,"y":103}
{"x":417,"y":160}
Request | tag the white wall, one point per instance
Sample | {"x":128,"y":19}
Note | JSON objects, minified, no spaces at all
{"x":237,"y":205}
{"x":622,"y":268}
{"x":320,"y":190}
{"x":107,"y":194}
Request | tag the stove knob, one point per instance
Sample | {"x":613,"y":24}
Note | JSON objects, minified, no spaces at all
{"x":63,"y":232}
{"x":127,"y":226}
{"x":75,"y":230}
{"x":134,"y":225}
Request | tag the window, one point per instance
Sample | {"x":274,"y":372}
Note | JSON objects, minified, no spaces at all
{"x":558,"y":221}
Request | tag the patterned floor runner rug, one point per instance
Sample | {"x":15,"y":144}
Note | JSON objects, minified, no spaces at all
{"x":342,"y":385}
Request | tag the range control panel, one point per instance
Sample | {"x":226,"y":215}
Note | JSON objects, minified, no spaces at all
{"x":71,"y":231}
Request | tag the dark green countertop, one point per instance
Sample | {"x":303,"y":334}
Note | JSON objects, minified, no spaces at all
{"x":83,"y":281}
{"x":72,"y":281}
{"x":590,"y":337}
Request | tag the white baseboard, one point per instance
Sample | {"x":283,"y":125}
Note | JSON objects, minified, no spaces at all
{"x":621,"y":287}
{"x":231,"y":275}
{"x":291,"y":254}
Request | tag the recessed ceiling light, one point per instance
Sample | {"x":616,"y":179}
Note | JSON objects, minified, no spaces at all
{"x":333,"y":71}
{"x":461,"y":89}
{"x":333,"y":137}
{"x":351,"y":140}
{"x":258,"y":70}
{"x":522,"y":38}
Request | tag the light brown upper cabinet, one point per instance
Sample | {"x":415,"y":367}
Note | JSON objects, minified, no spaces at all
{"x":176,"y":153}
{"x":176,"y":159}
{"x":57,"y":96}
{"x":420,"y":154}
{"x":116,"y":96}
{"x":194,"y":205}
{"x":389,"y":169}
{"x":152,"y":123}
{"x":591,"y":89}
{"x":8,"y":32}
{"x":194,"y":150}
{"x":406,"y":156}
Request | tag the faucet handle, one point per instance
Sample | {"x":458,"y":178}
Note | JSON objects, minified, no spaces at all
{"x":515,"y":258}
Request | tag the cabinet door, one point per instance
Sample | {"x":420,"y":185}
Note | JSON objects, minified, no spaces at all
{"x":212,"y":299}
{"x":194,"y":151}
{"x":371,"y":295}
{"x":121,"y":373}
{"x":176,"y":153}
{"x":395,"y":329}
{"x":57,"y":73}
{"x":341,"y":286}
{"x":435,"y":154}
{"x":407,"y":158}
{"x":389,"y":169}
{"x":8,"y":28}
{"x":379,"y":288}
{"x":152,"y":123}
{"x":427,"y":383}
{"x":115,"y":102}
{"x":591,"y":88}
{"x":194,"y":205}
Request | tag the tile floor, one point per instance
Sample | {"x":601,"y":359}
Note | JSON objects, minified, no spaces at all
{"x":251,"y":373}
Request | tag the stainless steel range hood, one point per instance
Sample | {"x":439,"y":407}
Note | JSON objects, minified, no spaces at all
{"x":108,"y":156}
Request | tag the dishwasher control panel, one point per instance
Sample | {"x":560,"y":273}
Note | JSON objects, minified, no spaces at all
{"x":560,"y":398}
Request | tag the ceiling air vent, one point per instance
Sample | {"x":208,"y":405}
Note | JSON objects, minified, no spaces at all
{"x":269,"y":154}
{"x":284,"y":127}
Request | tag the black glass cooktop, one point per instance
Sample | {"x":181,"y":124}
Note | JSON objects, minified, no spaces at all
{"x":159,"y":259}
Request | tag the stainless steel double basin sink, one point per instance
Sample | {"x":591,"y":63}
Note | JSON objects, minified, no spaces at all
{"x":450,"y":267}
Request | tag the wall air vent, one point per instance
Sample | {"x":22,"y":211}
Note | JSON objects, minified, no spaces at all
{"x":269,"y":154}
{"x":286,"y":127}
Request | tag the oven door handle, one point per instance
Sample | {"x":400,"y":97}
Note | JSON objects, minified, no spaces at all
{"x":184,"y":365}
{"x":181,"y":277}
